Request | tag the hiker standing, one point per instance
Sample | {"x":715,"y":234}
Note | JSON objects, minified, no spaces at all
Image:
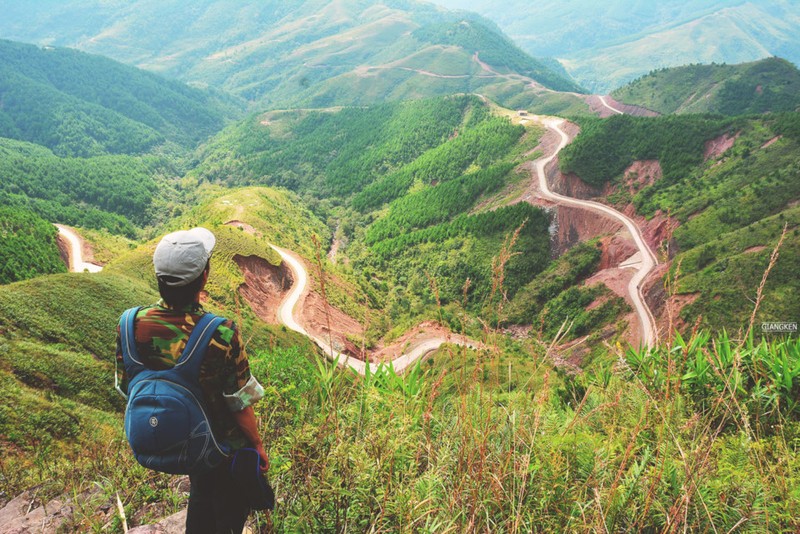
{"x":155,"y":339}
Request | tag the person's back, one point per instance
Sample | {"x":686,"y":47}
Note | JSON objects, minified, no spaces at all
{"x":161,"y":331}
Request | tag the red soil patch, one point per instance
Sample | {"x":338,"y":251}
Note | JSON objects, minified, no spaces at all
{"x":265,"y":285}
{"x":757,"y":248}
{"x":772,"y":141}
{"x":642,"y":173}
{"x":316,"y":316}
{"x":596,"y":106}
{"x":243,"y":225}
{"x":416,"y":336}
{"x":657,"y":230}
{"x":613,"y":278}
{"x":614,"y":250}
{"x":575,"y":225}
{"x":717,"y":147}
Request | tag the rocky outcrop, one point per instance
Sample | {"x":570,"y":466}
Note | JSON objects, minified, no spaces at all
{"x":27,"y":513}
{"x":174,"y":524}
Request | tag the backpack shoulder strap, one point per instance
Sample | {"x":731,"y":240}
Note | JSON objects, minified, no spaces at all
{"x":130,"y":355}
{"x":195,"y":350}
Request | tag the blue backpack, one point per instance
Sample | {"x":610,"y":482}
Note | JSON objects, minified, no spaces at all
{"x":166,"y":421}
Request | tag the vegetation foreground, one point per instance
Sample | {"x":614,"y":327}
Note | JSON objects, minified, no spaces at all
{"x":699,"y":434}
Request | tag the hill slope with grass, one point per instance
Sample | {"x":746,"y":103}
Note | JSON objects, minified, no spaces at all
{"x":730,"y":187}
{"x":428,"y":450}
{"x":58,"y":331}
{"x":404,"y":187}
{"x":28,"y":245}
{"x":84,"y":105}
{"x":307,"y":53}
{"x":768,"y":85}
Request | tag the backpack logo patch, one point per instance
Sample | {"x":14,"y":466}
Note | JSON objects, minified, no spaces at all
{"x":153,"y":422}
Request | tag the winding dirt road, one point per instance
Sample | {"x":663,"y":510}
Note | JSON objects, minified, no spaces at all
{"x":612,"y":108}
{"x":75,"y":252}
{"x":286,"y":316}
{"x":647,"y":260}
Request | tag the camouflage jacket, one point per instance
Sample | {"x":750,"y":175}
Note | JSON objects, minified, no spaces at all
{"x":161,"y":334}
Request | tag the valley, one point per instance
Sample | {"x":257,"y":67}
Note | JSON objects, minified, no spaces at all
{"x":478,"y":297}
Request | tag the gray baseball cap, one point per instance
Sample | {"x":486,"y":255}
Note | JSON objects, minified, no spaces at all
{"x":182,"y":256}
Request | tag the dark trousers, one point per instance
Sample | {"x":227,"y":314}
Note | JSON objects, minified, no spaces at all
{"x":216,"y":505}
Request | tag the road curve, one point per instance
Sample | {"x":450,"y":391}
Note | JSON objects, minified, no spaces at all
{"x":648,"y":262}
{"x":286,"y":317}
{"x":609,"y":106}
{"x":75,"y":253}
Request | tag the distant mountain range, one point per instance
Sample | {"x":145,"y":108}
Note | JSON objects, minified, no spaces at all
{"x":294,"y":53}
{"x":604,"y":45}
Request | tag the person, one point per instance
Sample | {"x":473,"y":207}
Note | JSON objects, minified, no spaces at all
{"x":182,"y":265}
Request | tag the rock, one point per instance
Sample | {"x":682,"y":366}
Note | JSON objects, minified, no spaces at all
{"x":174,"y":524}
{"x":25,"y":514}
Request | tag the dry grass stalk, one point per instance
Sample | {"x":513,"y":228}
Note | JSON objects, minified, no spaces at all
{"x":321,"y":271}
{"x":773,"y":259}
{"x":121,"y":511}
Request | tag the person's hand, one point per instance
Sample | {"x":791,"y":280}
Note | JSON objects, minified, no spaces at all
{"x":264,"y":462}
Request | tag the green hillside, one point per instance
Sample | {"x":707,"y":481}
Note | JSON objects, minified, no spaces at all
{"x":112,"y":192}
{"x":767,"y":85}
{"x":28,"y":245}
{"x":400,"y":182}
{"x":83,"y":105}
{"x":731,"y":209}
{"x":310,"y":53}
{"x":439,"y":448}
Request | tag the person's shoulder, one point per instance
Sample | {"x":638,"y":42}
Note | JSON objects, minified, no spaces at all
{"x":141,"y":311}
{"x":226,"y":332}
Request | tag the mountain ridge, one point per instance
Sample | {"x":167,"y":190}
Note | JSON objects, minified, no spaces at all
{"x":768,"y":85}
{"x":282,"y":51}
{"x":61,"y":98}
{"x":606,"y":45}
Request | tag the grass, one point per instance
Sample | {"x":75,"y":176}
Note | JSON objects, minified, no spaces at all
{"x":727,"y":271}
{"x":473,"y":442}
{"x":699,"y":435}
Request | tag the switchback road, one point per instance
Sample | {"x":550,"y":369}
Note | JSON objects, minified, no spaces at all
{"x":648,"y":259}
{"x":286,"y":316}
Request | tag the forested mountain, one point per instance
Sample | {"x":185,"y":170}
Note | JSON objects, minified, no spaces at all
{"x":731,"y":205}
{"x":111,"y":192}
{"x":84,"y":105}
{"x":768,"y":85}
{"x":298,"y":53}
{"x":427,"y":162}
{"x":604,"y":45}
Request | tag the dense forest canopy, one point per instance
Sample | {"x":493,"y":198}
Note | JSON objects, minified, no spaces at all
{"x":83,"y":105}
{"x":27,"y":245}
{"x":78,"y":191}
